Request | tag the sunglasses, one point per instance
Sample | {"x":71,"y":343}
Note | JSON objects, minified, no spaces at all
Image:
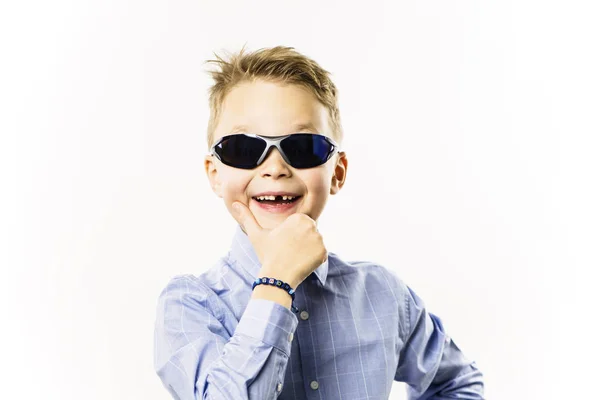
{"x":300,"y":150}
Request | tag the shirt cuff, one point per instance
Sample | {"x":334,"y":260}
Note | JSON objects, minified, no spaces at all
{"x":269,"y":322}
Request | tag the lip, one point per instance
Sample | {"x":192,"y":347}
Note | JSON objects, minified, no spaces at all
{"x":276,"y":208}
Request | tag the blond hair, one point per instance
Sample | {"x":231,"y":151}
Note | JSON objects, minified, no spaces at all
{"x":275,"y":64}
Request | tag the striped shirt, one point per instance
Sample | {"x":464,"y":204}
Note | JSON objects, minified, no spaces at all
{"x":359,"y":328}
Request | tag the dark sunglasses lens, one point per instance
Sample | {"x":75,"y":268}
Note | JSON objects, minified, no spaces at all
{"x":306,"y":150}
{"x":240,"y":151}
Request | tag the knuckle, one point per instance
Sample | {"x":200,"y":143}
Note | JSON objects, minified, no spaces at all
{"x":308,"y":221}
{"x":303,"y":221}
{"x":297,"y":217}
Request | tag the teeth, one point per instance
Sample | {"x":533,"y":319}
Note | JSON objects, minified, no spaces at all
{"x":274,"y":197}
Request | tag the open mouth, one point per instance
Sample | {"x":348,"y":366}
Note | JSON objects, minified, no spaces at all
{"x":276,"y":200}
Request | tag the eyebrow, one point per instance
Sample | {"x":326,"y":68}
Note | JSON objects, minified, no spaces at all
{"x":304,"y":127}
{"x":238,"y":129}
{"x":296,"y":128}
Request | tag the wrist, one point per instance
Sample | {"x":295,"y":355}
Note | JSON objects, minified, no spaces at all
{"x":272,"y":293}
{"x":282,"y":276}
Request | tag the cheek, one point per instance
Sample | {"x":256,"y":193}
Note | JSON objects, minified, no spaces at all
{"x":317,"y":181}
{"x":235,"y":184}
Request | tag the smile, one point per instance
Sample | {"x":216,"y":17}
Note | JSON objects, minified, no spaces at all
{"x":276,"y":204}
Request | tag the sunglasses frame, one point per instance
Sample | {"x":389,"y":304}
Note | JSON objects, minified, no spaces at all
{"x":275,"y":141}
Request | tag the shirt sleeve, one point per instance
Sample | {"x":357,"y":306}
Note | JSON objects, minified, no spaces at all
{"x":430,"y":363}
{"x":196,"y":357}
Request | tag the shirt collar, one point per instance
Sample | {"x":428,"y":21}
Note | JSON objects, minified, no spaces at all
{"x":243,"y":253}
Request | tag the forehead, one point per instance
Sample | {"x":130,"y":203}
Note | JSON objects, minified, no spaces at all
{"x":271,"y":109}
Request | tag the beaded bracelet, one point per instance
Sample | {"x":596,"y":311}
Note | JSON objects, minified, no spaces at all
{"x":280,"y":284}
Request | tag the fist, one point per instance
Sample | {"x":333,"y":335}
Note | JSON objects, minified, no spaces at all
{"x":291,"y":251}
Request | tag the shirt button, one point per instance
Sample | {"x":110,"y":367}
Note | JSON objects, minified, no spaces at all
{"x":304,"y":315}
{"x":279,"y":387}
{"x":291,"y":336}
{"x":314,"y":385}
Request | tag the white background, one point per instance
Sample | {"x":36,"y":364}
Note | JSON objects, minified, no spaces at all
{"x":472,"y":136}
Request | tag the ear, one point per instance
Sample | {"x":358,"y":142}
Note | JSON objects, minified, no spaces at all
{"x":213,"y":175}
{"x":339,"y":173}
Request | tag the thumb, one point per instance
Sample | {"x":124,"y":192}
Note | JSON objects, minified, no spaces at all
{"x":244,"y":217}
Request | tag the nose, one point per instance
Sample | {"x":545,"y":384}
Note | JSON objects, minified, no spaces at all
{"x":274,"y":165}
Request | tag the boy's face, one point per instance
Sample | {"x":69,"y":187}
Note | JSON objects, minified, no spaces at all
{"x":274,"y":109}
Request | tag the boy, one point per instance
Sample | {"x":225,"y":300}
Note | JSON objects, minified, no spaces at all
{"x":274,"y":135}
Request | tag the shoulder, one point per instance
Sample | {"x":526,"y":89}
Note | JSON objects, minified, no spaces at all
{"x":185,"y":283}
{"x":185,"y":290}
{"x":369,"y":269}
{"x":192,"y":291}
{"x":371,"y":274}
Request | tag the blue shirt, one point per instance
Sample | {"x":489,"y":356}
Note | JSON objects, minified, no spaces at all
{"x":359,"y":328}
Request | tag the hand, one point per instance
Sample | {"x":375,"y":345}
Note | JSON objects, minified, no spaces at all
{"x":291,"y":251}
